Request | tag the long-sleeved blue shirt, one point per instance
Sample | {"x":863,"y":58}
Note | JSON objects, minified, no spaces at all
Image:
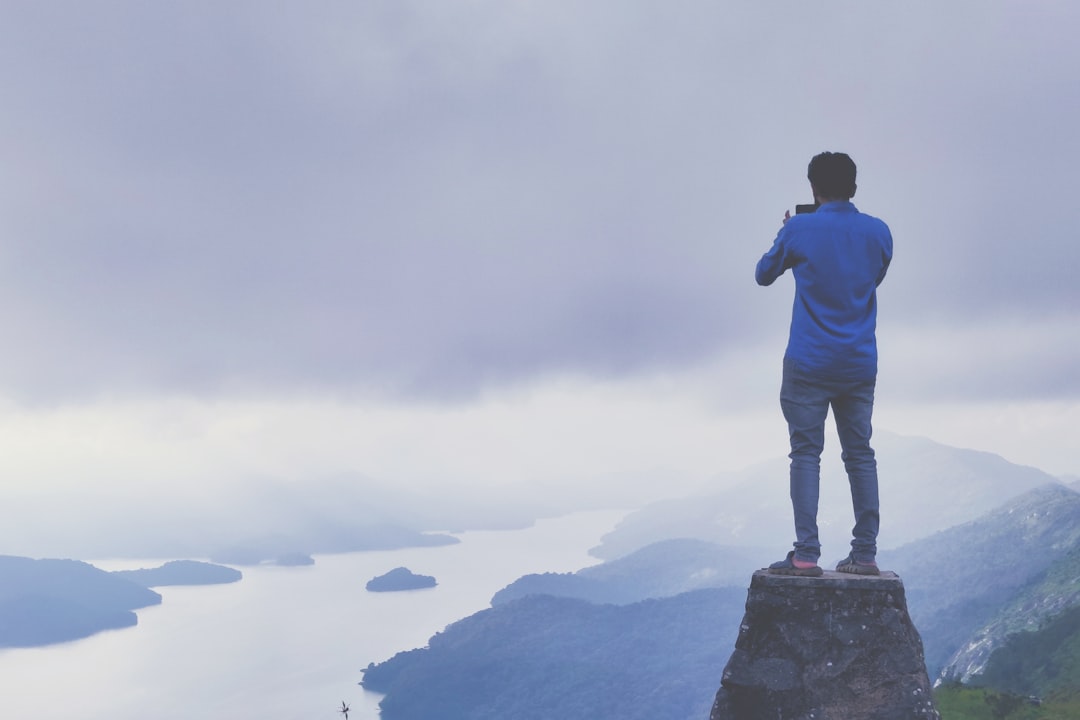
{"x":838,"y":256}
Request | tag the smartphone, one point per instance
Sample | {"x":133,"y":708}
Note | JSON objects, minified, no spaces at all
{"x":802,"y":209}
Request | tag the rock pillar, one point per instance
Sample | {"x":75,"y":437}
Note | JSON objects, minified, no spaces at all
{"x":837,"y":647}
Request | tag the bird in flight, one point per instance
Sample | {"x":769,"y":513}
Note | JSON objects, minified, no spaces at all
{"x":344,"y":710}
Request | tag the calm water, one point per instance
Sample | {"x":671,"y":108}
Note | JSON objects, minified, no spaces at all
{"x":284,"y":643}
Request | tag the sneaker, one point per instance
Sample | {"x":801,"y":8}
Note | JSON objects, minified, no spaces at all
{"x":851,"y":565}
{"x":787,"y":567}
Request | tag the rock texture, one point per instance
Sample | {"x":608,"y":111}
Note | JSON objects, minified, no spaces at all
{"x":838,"y":647}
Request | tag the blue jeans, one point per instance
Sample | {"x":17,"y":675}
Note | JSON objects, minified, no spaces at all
{"x":805,"y":400}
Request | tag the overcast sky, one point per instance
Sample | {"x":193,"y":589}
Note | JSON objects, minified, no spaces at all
{"x":491,"y":241}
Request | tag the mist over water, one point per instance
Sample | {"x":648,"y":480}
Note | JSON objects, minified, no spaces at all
{"x":283,"y":643}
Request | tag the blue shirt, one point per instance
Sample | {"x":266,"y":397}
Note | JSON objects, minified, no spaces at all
{"x":838,"y":256}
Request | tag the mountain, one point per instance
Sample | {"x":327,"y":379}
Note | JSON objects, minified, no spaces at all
{"x":52,"y":601}
{"x":663,"y":569}
{"x":1055,"y":591}
{"x":968,"y":587}
{"x":754,"y":508}
{"x":1044,"y":662}
{"x":963,"y":579}
{"x":542,"y":657}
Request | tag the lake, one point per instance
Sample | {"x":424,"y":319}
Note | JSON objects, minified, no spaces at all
{"x":283,"y":643}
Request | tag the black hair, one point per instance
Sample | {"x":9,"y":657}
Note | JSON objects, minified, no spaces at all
{"x":832,"y":175}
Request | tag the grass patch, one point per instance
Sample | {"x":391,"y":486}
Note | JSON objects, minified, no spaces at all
{"x":961,"y":702}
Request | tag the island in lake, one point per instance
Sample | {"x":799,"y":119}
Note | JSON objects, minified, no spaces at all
{"x":400,"y":579}
{"x":182,"y":572}
{"x":294,"y":559}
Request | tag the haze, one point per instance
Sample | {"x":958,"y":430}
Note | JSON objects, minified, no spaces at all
{"x":501,"y":253}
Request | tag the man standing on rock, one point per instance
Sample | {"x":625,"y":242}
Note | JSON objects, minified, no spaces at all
{"x":838,"y":256}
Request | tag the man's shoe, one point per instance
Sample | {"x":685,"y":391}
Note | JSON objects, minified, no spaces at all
{"x":787,"y":567}
{"x":851,"y":565}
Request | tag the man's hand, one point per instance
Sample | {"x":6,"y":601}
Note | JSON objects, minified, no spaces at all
{"x":787,"y":216}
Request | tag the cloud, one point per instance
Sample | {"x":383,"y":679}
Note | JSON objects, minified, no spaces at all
{"x":426,"y":201}
{"x":1006,"y":359}
{"x":120,"y":478}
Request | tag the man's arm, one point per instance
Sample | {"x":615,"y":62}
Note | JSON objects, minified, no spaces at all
{"x":772,"y":264}
{"x":886,"y":256}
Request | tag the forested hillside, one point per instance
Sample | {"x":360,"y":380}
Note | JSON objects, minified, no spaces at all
{"x":540,"y":656}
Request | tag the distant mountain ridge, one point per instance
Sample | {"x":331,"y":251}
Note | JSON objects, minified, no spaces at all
{"x":259,"y":520}
{"x":969,"y":587}
{"x":663,"y":569}
{"x":754,"y":508}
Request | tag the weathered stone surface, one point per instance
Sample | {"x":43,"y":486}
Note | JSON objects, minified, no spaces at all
{"x":838,"y":647}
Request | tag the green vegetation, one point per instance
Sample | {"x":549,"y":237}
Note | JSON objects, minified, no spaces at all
{"x":1042,"y":665}
{"x":1006,"y":593}
{"x":960,"y":702}
{"x":990,"y":563}
{"x":543,"y":657}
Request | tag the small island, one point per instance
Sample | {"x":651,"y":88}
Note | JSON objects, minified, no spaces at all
{"x":294,"y":559}
{"x":181,"y":572}
{"x":400,"y":579}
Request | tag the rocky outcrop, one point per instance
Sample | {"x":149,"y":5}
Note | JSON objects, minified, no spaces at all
{"x":838,"y":647}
